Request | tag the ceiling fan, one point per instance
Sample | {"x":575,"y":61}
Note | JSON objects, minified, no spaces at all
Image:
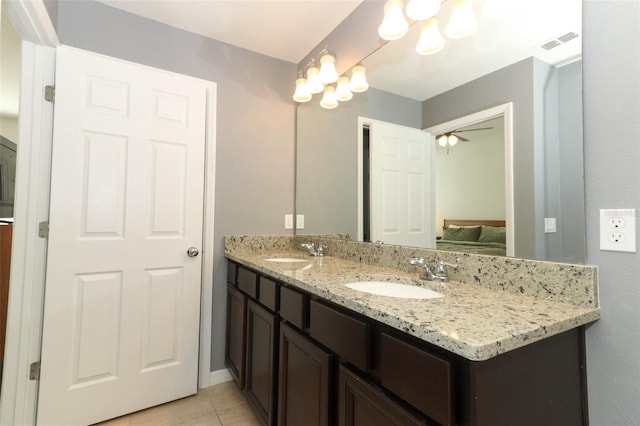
{"x":452,"y":138}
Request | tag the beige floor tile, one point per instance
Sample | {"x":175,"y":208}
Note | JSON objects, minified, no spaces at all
{"x":120,"y":421}
{"x":211,"y":419}
{"x":238,"y":415}
{"x":226,"y":396}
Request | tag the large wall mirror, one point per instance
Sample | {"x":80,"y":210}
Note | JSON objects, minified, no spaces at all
{"x":522,"y":167}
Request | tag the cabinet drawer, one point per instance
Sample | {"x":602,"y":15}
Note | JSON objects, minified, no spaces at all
{"x":422,"y":379}
{"x":232,"y":273}
{"x":293,"y":307}
{"x":362,"y":404}
{"x":345,"y":335}
{"x":267,"y":294}
{"x":247,"y":281}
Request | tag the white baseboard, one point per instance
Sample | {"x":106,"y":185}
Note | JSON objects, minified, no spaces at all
{"x":220,"y":376}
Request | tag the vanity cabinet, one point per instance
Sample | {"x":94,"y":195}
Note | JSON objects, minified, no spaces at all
{"x":311,"y":362}
{"x":236,"y":334}
{"x":260,"y":382}
{"x":304,"y":393}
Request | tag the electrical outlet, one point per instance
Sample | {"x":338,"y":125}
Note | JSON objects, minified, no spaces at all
{"x":288,"y":221}
{"x":618,"y":230}
{"x":300,"y":221}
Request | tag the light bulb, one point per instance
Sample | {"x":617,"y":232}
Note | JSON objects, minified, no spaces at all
{"x":393,"y":25}
{"x":313,"y":80}
{"x":419,"y":10}
{"x":431,"y":41}
{"x":329,"y":99}
{"x":302,"y":93}
{"x":462,"y":22}
{"x":442,"y":140}
{"x":453,"y":139}
{"x":358,"y":79}
{"x":343,"y":91}
{"x":328,"y":73}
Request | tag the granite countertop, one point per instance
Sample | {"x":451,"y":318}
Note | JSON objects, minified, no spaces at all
{"x":470,"y":320}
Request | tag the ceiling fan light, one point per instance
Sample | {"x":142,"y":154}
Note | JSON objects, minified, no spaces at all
{"x":452,"y":139}
{"x":358,"y":79}
{"x":442,"y":140}
{"x":328,"y":73}
{"x":430,"y":41}
{"x":419,"y":10}
{"x":329,"y":99}
{"x":462,"y":22}
{"x":394,"y":26}
{"x":302,"y":93}
{"x":313,"y":80}
{"x":343,"y":91}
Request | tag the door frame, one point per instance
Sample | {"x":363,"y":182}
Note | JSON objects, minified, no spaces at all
{"x":506,"y":111}
{"x":18,"y":400}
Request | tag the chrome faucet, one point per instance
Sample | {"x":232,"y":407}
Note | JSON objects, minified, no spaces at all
{"x":441,"y":273}
{"x":313,"y":251}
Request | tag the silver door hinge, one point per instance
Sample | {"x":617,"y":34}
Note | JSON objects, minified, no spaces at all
{"x":50,"y":93}
{"x":43,"y":230}
{"x":34,"y":371}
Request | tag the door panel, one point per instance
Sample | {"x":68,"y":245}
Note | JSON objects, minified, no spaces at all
{"x":402,"y":196}
{"x":121,"y":321}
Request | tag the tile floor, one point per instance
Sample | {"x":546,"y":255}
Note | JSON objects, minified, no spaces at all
{"x":219,"y":405}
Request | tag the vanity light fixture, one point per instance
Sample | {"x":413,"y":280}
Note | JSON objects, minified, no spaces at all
{"x":419,"y":10}
{"x":314,"y":84}
{"x":321,"y":80}
{"x":328,"y":73}
{"x":431,"y":41}
{"x":359,"y":81}
{"x":462,"y":22}
{"x":302,"y":93}
{"x":394,"y":26}
{"x":343,"y":90}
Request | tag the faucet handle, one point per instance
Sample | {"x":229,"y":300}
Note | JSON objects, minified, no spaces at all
{"x":442,"y":266}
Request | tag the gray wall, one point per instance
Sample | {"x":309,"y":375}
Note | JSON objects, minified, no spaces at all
{"x":326,"y":172}
{"x":510,"y":84}
{"x":255,"y":121}
{"x":612,"y":180}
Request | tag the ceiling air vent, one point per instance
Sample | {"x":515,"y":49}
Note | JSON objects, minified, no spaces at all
{"x":550,"y":45}
{"x":567,"y":37}
{"x":559,"y":41}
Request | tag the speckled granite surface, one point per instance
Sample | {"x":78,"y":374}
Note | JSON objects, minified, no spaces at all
{"x":491,"y":306}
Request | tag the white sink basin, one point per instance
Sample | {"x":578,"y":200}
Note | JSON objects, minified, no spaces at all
{"x":390,"y":289}
{"x":286,"y":260}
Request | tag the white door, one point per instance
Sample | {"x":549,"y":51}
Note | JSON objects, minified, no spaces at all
{"x":122,"y":297}
{"x":402,"y":189}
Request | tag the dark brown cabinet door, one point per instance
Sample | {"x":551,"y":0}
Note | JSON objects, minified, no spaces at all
{"x":236,"y":337}
{"x":304,"y":381}
{"x":261,"y":361}
{"x":361,"y":404}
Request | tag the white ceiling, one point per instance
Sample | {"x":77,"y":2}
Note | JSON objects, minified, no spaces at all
{"x":282,"y":29}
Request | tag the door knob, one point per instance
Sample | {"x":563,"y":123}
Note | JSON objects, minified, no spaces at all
{"x":192,"y":252}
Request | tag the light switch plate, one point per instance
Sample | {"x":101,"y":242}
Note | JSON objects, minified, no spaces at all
{"x":549,"y":225}
{"x":288,"y":221}
{"x":618,"y":230}
{"x":300,"y":221}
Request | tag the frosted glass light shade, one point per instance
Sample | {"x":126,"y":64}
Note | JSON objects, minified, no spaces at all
{"x":313,"y":80}
{"x":430,"y":41}
{"x":419,"y":10}
{"x":462,"y":22}
{"x":329,"y":99}
{"x":359,"y":79}
{"x":442,"y":140}
{"x":302,"y":93}
{"x":393,"y":25}
{"x":452,"y":139}
{"x":343,"y":91}
{"x":328,"y":73}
